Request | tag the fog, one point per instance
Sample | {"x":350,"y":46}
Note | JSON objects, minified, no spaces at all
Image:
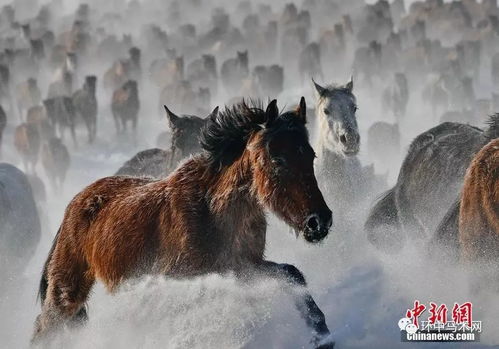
{"x":362,"y":291}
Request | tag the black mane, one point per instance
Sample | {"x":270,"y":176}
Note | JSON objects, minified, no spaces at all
{"x":224,"y":138}
{"x":492,"y":131}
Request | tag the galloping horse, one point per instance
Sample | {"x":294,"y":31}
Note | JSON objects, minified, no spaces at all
{"x":158,"y":163}
{"x":339,"y":170}
{"x":428,"y":184}
{"x":338,"y":142}
{"x":206,"y":217}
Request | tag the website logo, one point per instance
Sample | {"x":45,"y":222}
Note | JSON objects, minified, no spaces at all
{"x":442,"y":324}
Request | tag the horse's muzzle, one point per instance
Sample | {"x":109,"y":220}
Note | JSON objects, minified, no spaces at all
{"x":317,"y":225}
{"x":350,"y":143}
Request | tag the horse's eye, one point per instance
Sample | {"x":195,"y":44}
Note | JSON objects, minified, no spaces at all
{"x":355,"y":108}
{"x":278,"y":161}
{"x":326,"y":111}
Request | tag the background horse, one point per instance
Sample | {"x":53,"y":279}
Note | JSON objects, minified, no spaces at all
{"x":431,"y":175}
{"x":339,"y":170}
{"x":19,"y":222}
{"x":208,"y":216}
{"x":158,"y":163}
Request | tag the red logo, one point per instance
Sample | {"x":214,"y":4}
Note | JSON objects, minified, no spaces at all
{"x":416,"y":312}
{"x":462,"y":313}
{"x":438,"y":314}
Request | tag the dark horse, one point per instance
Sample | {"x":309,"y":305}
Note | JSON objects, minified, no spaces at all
{"x":206,"y":217}
{"x":428,"y":184}
{"x":158,"y":163}
{"x":20,"y":229}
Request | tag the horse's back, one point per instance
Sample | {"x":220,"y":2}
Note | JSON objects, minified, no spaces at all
{"x":151,"y":162}
{"x":105,"y":190}
{"x":433,"y":170}
{"x":447,"y":134}
{"x":109,"y":223}
{"x":440,"y":149}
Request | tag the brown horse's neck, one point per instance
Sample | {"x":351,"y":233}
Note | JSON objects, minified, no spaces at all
{"x":233,"y":186}
{"x":238,"y":215}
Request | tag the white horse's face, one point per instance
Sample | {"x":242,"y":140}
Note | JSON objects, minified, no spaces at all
{"x":338,"y":106}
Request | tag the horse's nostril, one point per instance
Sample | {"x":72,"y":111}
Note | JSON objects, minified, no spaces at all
{"x":343,"y":139}
{"x":313,"y":222}
{"x":330,"y":221}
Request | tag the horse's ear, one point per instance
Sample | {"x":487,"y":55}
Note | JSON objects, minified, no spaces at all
{"x":172,"y":118}
{"x":301,"y":111}
{"x":213,"y":115}
{"x":272,"y":112}
{"x":320,"y":90}
{"x":349,"y":85}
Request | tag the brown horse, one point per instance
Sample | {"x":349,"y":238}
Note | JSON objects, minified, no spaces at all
{"x":125,"y":106}
{"x":27,"y":143}
{"x":207,"y":216}
{"x":56,"y":161}
{"x":479,"y":211}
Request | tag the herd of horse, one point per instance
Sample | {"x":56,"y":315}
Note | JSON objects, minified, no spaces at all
{"x":197,"y":203}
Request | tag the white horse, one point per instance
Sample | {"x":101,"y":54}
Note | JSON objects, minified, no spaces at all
{"x":343,"y":180}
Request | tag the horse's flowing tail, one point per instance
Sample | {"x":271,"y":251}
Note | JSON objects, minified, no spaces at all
{"x":382,"y":225}
{"x":42,"y":289}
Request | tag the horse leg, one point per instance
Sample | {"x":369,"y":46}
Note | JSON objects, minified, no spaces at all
{"x":91,"y":131}
{"x":94,"y":129}
{"x":117,"y":124}
{"x":134,"y":124}
{"x":309,"y":310}
{"x":88,"y":125}
{"x":33,"y":166}
{"x":434,"y":111}
{"x":73,"y":135}
{"x":53,"y":184}
{"x":20,"y":112}
{"x":25,"y":163}
{"x":61,"y":179}
{"x":67,"y":291}
{"x":134,"y":130}
{"x":61,"y":131}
